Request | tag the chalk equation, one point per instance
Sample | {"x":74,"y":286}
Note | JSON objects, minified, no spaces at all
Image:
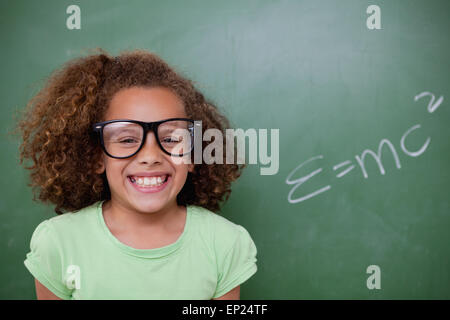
{"x":347,"y":166}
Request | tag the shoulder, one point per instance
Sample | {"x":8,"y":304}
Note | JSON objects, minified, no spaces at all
{"x":233,"y":250}
{"x":219,"y":225}
{"x":75,"y":217}
{"x":68,"y":223}
{"x":56,"y":241}
{"x":218,"y":230}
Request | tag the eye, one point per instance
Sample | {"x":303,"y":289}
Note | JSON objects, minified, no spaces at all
{"x":171,"y":140}
{"x":128,"y":140}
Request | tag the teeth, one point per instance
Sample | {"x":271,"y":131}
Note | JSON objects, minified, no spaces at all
{"x":148,"y":181}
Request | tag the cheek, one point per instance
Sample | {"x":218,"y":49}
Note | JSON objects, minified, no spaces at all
{"x":114,"y":172}
{"x":181,"y":173}
{"x":179,"y":164}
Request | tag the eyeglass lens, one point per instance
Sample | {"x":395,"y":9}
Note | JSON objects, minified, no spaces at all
{"x":123,"y":139}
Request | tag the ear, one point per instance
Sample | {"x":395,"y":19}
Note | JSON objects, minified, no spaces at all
{"x":101,"y":166}
{"x":191,"y":168}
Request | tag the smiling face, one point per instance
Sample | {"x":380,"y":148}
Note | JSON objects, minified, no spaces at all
{"x":148,"y":105}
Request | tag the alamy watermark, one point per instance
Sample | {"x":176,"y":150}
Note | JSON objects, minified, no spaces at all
{"x":213,"y":153}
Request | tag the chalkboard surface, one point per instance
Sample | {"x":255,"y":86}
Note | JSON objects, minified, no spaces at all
{"x":359,"y":207}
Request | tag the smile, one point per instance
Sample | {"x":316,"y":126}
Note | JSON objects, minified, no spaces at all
{"x":149,"y":181}
{"x":149,"y":184}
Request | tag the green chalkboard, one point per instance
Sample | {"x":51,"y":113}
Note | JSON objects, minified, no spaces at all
{"x":360,"y":97}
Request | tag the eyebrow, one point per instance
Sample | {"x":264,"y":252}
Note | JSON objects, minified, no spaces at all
{"x":122,"y":131}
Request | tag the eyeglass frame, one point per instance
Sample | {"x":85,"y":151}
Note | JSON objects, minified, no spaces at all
{"x":147,"y":126}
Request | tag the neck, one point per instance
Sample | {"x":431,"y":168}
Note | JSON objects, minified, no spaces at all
{"x":121,"y":217}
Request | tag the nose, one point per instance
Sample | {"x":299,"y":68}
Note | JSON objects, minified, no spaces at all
{"x":150,"y":152}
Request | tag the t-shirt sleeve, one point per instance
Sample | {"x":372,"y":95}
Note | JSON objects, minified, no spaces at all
{"x":237,"y":265}
{"x":44,"y":260}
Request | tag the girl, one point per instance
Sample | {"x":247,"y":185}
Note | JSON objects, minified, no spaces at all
{"x":132,"y":222}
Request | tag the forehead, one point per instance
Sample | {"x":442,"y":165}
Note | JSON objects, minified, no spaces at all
{"x":145,"y":104}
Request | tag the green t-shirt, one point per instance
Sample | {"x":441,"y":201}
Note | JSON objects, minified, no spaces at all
{"x":76,"y":256}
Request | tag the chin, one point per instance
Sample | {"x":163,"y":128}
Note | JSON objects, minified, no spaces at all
{"x":150,"y":205}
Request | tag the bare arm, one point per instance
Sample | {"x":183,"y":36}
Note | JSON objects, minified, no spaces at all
{"x":42,"y":293}
{"x":233,"y":294}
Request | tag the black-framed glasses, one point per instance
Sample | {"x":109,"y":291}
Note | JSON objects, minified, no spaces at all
{"x":124,"y":138}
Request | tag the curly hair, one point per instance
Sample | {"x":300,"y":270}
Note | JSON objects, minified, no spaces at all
{"x":55,"y":129}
